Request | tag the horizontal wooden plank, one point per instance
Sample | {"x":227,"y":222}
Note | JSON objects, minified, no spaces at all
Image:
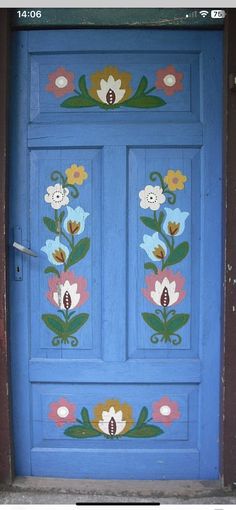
{"x":135,"y":371}
{"x":144,"y":463}
{"x":74,"y":135}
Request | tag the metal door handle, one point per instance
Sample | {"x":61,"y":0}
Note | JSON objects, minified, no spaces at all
{"x":23,"y":249}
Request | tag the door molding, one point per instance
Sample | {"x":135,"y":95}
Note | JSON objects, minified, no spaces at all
{"x":228,"y":439}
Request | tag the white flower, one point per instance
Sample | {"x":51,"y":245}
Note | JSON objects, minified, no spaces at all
{"x":57,"y":196}
{"x":151,"y":197}
{"x":112,"y":423}
{"x":165,"y":293}
{"x":110,"y":92}
{"x":67,"y":296}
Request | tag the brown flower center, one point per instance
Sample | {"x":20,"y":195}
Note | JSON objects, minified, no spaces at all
{"x":73,"y":227}
{"x":159,"y":252}
{"x":165,"y":298}
{"x":173,"y":228}
{"x":67,"y":300}
{"x":112,"y":426}
{"x":59,"y":256}
{"x":110,"y":97}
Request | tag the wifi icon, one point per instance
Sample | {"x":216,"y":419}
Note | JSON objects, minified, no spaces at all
{"x":204,"y":13}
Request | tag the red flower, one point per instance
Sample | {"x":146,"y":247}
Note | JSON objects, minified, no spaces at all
{"x":165,"y":288}
{"x":165,"y":411}
{"x":62,"y":412}
{"x":67,"y":291}
{"x":169,"y":80}
{"x":60,"y":82}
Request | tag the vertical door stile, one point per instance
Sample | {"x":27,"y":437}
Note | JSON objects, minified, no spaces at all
{"x":114,"y":253}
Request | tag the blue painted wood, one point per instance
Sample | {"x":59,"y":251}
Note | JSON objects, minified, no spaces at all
{"x":115,"y":359}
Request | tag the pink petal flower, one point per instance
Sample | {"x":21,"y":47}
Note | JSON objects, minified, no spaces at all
{"x":60,"y":82}
{"x":57,"y":283}
{"x":62,"y":412}
{"x":169,"y":80}
{"x":165,"y":411}
{"x":171,"y":277}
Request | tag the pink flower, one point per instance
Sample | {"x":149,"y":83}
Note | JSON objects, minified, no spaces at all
{"x":165,"y":411}
{"x":169,"y":80}
{"x":165,"y":288}
{"x":62,"y":412}
{"x":60,"y":82}
{"x":67,"y":291}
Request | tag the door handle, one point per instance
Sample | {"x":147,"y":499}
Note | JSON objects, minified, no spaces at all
{"x":23,"y":249}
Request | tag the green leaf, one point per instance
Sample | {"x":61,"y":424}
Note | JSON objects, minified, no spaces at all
{"x":149,"y":265}
{"x":81,"y":432}
{"x":50,"y":224}
{"x":78,"y":252}
{"x":145,"y":431}
{"x":85,"y":415}
{"x":150,"y":223}
{"x":144,"y":102}
{"x":154,"y":322}
{"x":78,"y":102}
{"x":54,"y":323}
{"x":178,"y":254}
{"x":76,"y":323}
{"x":141,"y":87}
{"x":142,"y":417}
{"x":51,"y":269}
{"x":83,"y":87}
{"x":177,"y":322}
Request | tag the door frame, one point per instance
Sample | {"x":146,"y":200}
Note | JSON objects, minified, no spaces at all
{"x":228,"y":389}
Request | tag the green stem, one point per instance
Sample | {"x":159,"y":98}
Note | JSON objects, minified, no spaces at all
{"x":68,"y":240}
{"x":150,"y":90}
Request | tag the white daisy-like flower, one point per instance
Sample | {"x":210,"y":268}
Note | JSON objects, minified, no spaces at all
{"x":110,"y":91}
{"x":151,"y":197}
{"x":57,"y":196}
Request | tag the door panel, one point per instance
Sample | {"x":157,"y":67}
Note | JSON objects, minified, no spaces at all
{"x":116,"y":186}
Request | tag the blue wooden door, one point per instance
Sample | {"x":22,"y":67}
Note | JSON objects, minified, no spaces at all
{"x":116,"y":187}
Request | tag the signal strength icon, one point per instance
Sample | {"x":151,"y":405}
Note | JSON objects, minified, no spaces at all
{"x":204,"y":13}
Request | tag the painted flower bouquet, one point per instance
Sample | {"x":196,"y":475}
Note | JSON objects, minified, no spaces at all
{"x":112,"y":419}
{"x":67,"y":292}
{"x":164,"y":287}
{"x":111,"y":88}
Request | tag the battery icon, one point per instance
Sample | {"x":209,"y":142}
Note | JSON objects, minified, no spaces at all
{"x":218,"y":13}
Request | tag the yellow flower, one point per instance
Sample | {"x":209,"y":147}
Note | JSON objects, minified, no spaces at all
{"x":110,"y":86}
{"x":113,"y":418}
{"x":175,"y":180}
{"x":76,"y":174}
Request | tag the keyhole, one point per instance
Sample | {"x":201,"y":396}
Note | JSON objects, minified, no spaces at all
{"x":17,"y":269}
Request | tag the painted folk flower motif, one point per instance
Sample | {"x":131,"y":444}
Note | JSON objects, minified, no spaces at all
{"x":57,"y":196}
{"x":174,"y":223}
{"x":151,"y":197}
{"x":74,"y":222}
{"x":62,"y":412}
{"x":56,"y":251}
{"x":169,"y":80}
{"x":165,"y":289}
{"x":76,"y":174}
{"x":67,"y":291}
{"x":60,"y":82}
{"x":154,"y":247}
{"x":165,"y":411}
{"x":175,"y":180}
{"x":110,"y":85}
{"x":113,"y":418}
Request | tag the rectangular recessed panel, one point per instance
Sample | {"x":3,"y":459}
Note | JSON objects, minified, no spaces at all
{"x":164,"y":238}
{"x":65,"y":230}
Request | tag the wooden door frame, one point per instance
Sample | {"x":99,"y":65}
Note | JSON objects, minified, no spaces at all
{"x":228,"y":437}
